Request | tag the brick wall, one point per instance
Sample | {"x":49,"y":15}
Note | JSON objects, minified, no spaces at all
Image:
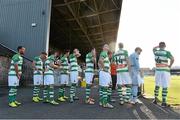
{"x":4,"y":67}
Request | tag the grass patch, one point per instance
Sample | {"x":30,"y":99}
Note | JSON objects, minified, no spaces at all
{"x":173,"y":91}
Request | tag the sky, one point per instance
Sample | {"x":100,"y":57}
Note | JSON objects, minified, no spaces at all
{"x":145,"y":23}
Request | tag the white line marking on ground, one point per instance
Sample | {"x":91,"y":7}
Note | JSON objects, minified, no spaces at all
{"x":172,"y":112}
{"x":136,"y":114}
{"x":161,"y":108}
{"x":147,"y":111}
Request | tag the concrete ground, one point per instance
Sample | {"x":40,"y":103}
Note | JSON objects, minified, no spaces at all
{"x":78,"y":109}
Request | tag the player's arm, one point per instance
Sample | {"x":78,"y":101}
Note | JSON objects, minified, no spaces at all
{"x":127,"y":60}
{"x":62,"y":60}
{"x":101,"y":62}
{"x":17,"y":71}
{"x":128,"y":63}
{"x":15,"y":59}
{"x":155,"y":48}
{"x":55,"y":66}
{"x":171,"y":61}
{"x":94,"y":58}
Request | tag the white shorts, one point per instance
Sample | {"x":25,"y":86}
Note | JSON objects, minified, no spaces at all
{"x":13,"y":81}
{"x":104,"y":79}
{"x":64,"y":79}
{"x":162,"y":78}
{"x":38,"y":79}
{"x":74,"y":77}
{"x":123,"y":78}
{"x":48,"y":79}
{"x":89,"y":78}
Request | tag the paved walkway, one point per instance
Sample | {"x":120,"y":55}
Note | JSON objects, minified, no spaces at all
{"x":79,"y":109}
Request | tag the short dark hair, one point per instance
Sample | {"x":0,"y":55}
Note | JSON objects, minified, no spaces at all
{"x":19,"y":47}
{"x":138,"y":48}
{"x":110,"y":52}
{"x":44,"y":53}
{"x":120,"y":45}
{"x":162,"y":44}
{"x":67,"y":50}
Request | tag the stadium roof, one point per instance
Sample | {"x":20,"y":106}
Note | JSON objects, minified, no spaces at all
{"x":84,"y":24}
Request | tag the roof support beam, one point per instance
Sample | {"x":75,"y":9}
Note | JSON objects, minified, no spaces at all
{"x":68,"y":3}
{"x":114,"y":4}
{"x":94,"y":26}
{"x":100,"y":33}
{"x":79,"y":23}
{"x":99,"y":20}
{"x":98,"y":39}
{"x":94,"y":14}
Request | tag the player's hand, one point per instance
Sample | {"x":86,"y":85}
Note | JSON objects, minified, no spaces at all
{"x":19,"y":76}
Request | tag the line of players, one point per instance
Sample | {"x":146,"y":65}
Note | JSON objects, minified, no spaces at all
{"x":128,"y":70}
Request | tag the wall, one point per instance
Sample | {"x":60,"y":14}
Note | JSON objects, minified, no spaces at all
{"x":25,"y":22}
{"x":4,"y":66}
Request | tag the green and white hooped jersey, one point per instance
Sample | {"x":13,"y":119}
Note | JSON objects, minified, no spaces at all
{"x":105,"y":57}
{"x":48,"y":69}
{"x":89,"y":63}
{"x":16,"y":59}
{"x":161,"y":59}
{"x":73,"y":63}
{"x":120,"y":58}
{"x":38,"y":65}
{"x":64,"y":65}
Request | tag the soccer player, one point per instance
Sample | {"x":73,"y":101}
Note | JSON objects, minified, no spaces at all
{"x":50,"y":64}
{"x":74,"y":74}
{"x":135,"y":73}
{"x":64,"y":78}
{"x":89,"y":73}
{"x":14,"y":76}
{"x":162,"y":73}
{"x":38,"y":75}
{"x":123,"y":77}
{"x":104,"y":77}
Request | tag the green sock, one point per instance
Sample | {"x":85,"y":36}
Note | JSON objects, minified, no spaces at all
{"x":71,"y":92}
{"x":105,"y":95}
{"x":88,"y":90}
{"x":156,"y":92}
{"x":36,"y":91}
{"x":120,"y":93}
{"x":101,"y":94}
{"x":15,"y":93}
{"x":74,"y":94}
{"x":51,"y":93}
{"x":128,"y":93}
{"x":61,"y":92}
{"x":164,"y":94}
{"x":45,"y":93}
{"x":11,"y":96}
{"x":109,"y":92}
